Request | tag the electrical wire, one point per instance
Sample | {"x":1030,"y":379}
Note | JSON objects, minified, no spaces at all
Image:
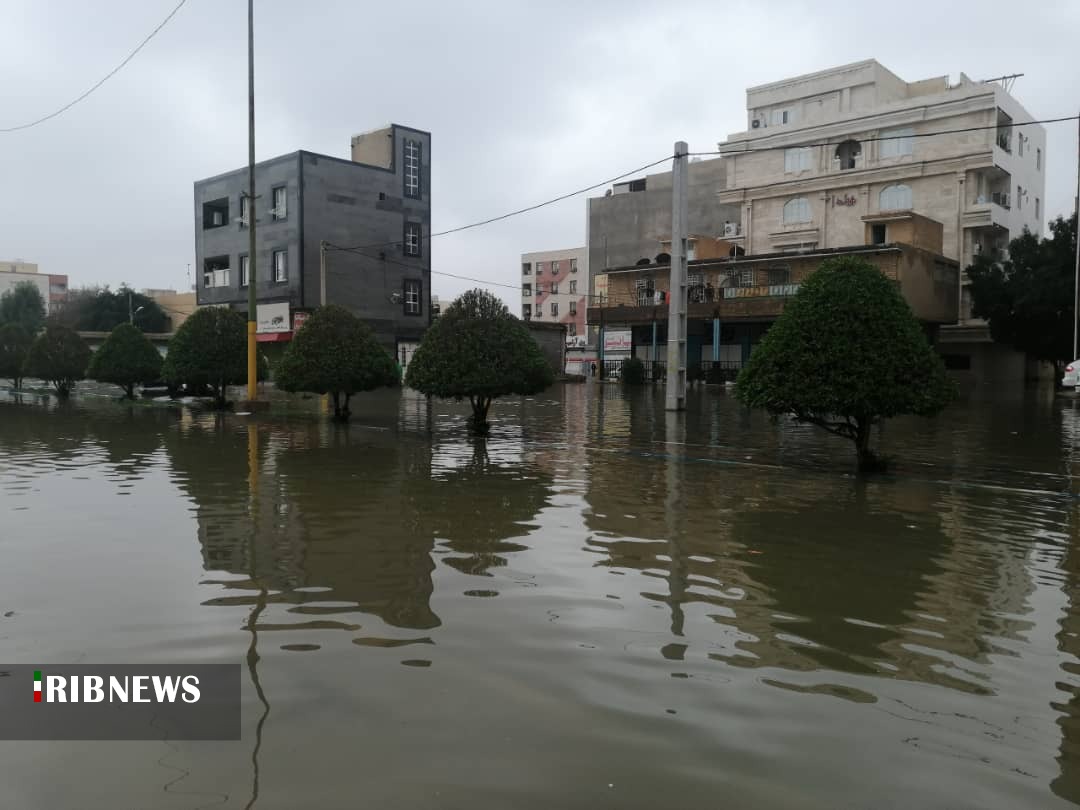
{"x":101,"y":81}
{"x":525,"y":210}
{"x":734,"y":151}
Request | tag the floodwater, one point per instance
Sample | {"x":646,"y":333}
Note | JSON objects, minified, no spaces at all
{"x":601,"y":606}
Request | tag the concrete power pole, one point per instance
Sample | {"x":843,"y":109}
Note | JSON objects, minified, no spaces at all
{"x":1076,"y":277}
{"x":252,"y":376}
{"x":676,"y":339}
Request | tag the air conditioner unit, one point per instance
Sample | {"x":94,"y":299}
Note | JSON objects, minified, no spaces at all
{"x":731,"y":229}
{"x":755,"y":124}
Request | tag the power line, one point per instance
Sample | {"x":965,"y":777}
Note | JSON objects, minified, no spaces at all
{"x":101,"y":81}
{"x":750,"y":151}
{"x":525,"y":210}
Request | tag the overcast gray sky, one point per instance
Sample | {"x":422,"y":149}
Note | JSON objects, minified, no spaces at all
{"x":524,"y":100}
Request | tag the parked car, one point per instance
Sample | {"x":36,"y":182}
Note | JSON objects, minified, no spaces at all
{"x":1072,"y":375}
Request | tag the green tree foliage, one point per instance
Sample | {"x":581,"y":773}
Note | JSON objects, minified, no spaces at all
{"x":633,"y":372}
{"x":125,"y":358}
{"x":1028,"y":298}
{"x":478,"y":350}
{"x":24,"y":305}
{"x":335,"y":353}
{"x":99,"y":309}
{"x":15,"y":343}
{"x":59,"y":356}
{"x":209,"y":351}
{"x":846,"y":353}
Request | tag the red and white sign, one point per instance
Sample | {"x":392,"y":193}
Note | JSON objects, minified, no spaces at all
{"x":298,"y":319}
{"x":617,"y":340}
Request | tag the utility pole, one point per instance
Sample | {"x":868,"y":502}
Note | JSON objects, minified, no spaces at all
{"x":252,"y":319}
{"x":1076,"y":277}
{"x":676,"y":340}
{"x":131,"y":315}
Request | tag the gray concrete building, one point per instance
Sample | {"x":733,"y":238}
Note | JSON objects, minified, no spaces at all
{"x":378,"y":203}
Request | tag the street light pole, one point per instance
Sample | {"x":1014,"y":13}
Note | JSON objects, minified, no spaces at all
{"x":251,"y":320}
{"x":322,"y":273}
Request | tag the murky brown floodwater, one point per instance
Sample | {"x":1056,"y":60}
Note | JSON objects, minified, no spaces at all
{"x":601,"y":607}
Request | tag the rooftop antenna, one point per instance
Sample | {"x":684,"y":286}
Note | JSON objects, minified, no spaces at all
{"x":1006,"y":82}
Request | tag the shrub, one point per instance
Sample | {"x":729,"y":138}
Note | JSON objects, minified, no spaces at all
{"x":633,"y":372}
{"x":15,"y":343}
{"x":208,"y":351}
{"x":59,"y":356}
{"x":125,"y":358}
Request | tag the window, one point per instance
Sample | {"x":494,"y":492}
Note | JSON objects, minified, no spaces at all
{"x":412,"y":302}
{"x":780,"y":117}
{"x":281,"y":265}
{"x":573,"y":265}
{"x":412,"y":239}
{"x":245,"y":272}
{"x":573,"y":286}
{"x":900,"y":142}
{"x":538,"y":290}
{"x":554,"y":268}
{"x":1020,"y":144}
{"x":1038,"y":209}
{"x":526,"y":268}
{"x":215,"y":213}
{"x":799,"y":159}
{"x":572,"y":332}
{"x":554,"y":309}
{"x":797,"y":210}
{"x":779,"y":275}
{"x":1019,"y":196}
{"x":245,"y":210}
{"x":1038,"y":159}
{"x":526,"y":290}
{"x":539,"y":268}
{"x":526,"y":311}
{"x":895,"y":198}
{"x":573,"y":307}
{"x":412,"y":168}
{"x":554,"y":289}
{"x":691,"y":250}
{"x":878,"y":234}
{"x":216,"y":272}
{"x":280,"y":209}
{"x":847,"y":155}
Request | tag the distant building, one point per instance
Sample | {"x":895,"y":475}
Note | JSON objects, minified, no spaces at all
{"x":177,"y":305}
{"x":53,"y":287}
{"x":378,"y":204}
{"x":555,"y":288}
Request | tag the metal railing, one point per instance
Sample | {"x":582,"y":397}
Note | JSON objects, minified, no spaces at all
{"x":713,"y":372}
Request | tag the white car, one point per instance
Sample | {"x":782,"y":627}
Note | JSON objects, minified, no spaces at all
{"x":1072,"y":375}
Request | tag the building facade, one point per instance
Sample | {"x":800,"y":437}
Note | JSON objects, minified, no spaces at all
{"x":378,"y":205}
{"x":53,"y":287}
{"x":555,"y":288}
{"x":826,"y":151}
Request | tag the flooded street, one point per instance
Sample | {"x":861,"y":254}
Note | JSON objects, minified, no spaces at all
{"x":601,"y":606}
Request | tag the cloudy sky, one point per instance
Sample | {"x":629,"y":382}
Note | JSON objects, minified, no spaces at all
{"x":525,"y":101}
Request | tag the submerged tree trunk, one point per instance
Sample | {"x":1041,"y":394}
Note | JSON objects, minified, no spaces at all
{"x":219,"y":392}
{"x":129,"y":391}
{"x":341,"y":406}
{"x":478,"y":423}
{"x":868,"y":460}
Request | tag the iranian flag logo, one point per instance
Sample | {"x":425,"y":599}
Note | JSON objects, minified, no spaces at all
{"x":37,"y":686}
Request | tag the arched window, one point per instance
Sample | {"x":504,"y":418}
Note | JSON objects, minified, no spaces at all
{"x":797,"y":210}
{"x":895,"y":198}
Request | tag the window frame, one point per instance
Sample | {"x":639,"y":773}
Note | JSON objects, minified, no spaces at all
{"x":910,"y":198}
{"x":412,"y":308}
{"x":245,"y":210}
{"x":573,"y":307}
{"x":804,"y":205}
{"x":573,"y":286}
{"x":901,"y":143}
{"x":280,"y":277}
{"x":243,"y":262}
{"x":573,"y":265}
{"x":526,"y":290}
{"x":805,"y":155}
{"x":526,"y":268}
{"x":284,"y":208}
{"x":554,"y":309}
{"x":409,"y":229}
{"x":412,"y":164}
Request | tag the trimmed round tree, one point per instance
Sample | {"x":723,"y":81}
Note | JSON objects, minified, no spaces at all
{"x":127,"y":357}
{"x":335,"y":353}
{"x":478,"y":351}
{"x":23,"y":304}
{"x":846,"y":353}
{"x":15,"y":342}
{"x":209,"y":350}
{"x":59,"y":356}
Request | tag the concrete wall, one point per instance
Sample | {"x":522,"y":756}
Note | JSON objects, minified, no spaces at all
{"x":17,"y":266}
{"x":375,"y":148}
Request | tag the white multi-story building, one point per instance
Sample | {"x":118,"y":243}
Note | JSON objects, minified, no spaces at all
{"x":555,"y":288}
{"x":827,"y":153}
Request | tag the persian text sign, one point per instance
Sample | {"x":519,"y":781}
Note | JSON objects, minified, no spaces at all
{"x":120,"y":702}
{"x":272,"y":318}
{"x":617,"y":340}
{"x":761,"y":292}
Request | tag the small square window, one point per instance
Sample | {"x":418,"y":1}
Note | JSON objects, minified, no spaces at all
{"x":245,"y":210}
{"x":539,"y":268}
{"x":281,"y":265}
{"x":554,"y":309}
{"x":245,"y":272}
{"x":216,"y":213}
{"x":573,"y":286}
{"x":280,"y":209}
{"x":573,"y":329}
{"x":526,"y":311}
{"x":573,"y":307}
{"x":573,"y":265}
{"x":554,"y":268}
{"x":554,"y":289}
{"x":526,"y":268}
